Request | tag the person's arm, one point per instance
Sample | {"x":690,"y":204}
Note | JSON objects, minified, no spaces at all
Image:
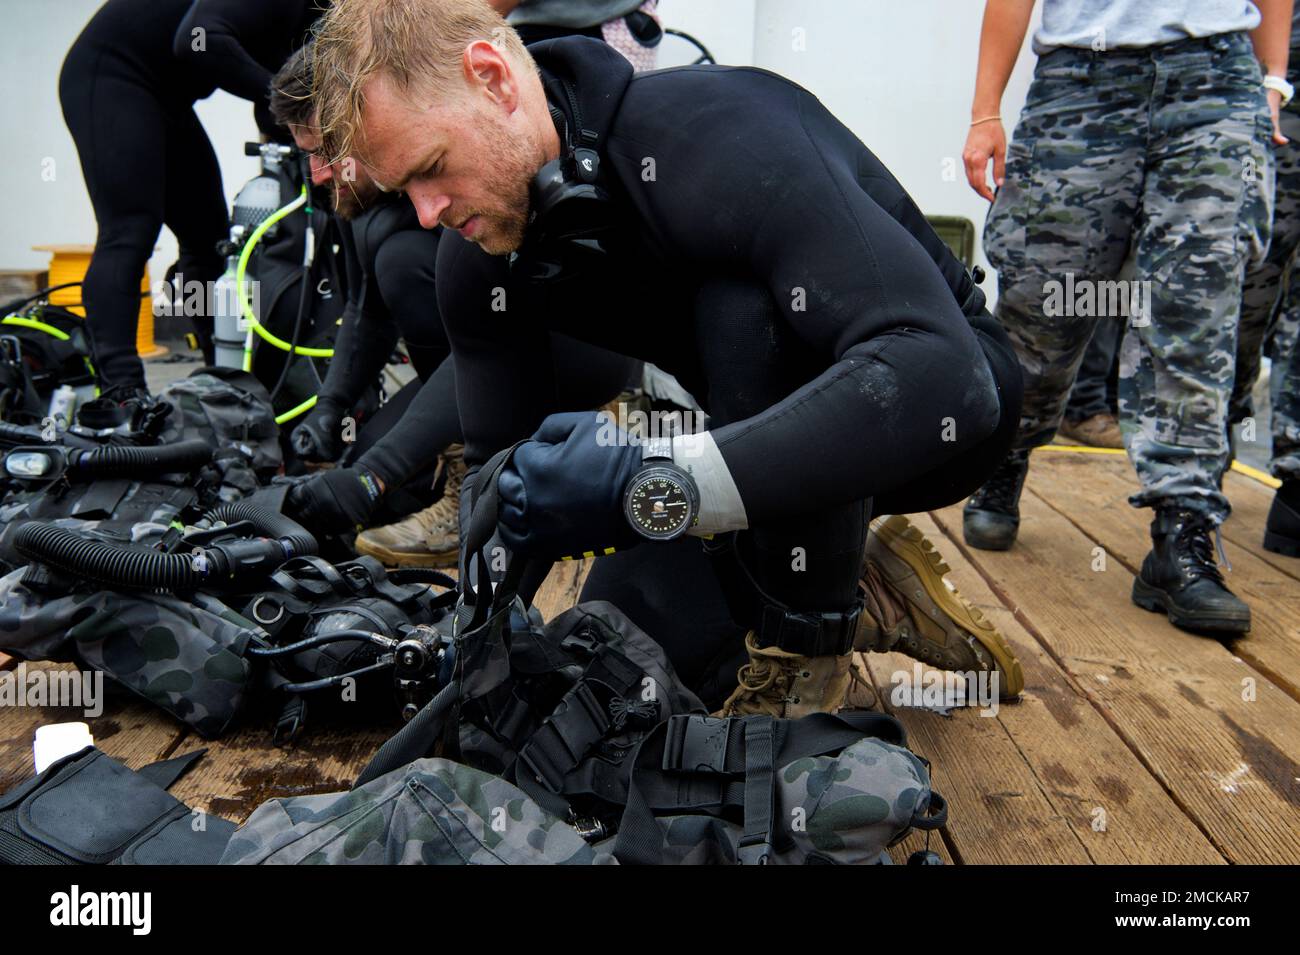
{"x":1272,"y":40}
{"x":780,"y":190}
{"x":217,"y":52}
{"x":1001,"y":36}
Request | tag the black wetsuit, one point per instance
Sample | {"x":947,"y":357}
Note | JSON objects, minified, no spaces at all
{"x":128,"y":101}
{"x":767,"y":259}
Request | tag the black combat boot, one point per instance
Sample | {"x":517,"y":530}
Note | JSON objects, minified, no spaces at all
{"x":1180,"y":577}
{"x":1282,"y":532}
{"x":992,"y":515}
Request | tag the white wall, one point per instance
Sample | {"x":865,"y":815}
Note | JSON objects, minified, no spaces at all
{"x":900,"y":75}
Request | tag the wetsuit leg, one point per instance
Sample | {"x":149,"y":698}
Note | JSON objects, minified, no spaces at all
{"x":194,"y":208}
{"x":120,"y":129}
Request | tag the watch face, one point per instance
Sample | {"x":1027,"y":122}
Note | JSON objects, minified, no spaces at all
{"x":658,"y":506}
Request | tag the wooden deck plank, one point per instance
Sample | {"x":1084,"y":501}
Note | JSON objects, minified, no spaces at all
{"x":241,"y":771}
{"x":131,"y":731}
{"x":560,"y":590}
{"x":1084,"y":773}
{"x":1093,"y":494}
{"x":998,"y":811}
{"x":1174,"y":698}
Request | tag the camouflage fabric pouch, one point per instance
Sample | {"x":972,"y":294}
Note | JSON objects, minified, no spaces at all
{"x":186,"y":656}
{"x":757,"y":790}
{"x":431,"y":812}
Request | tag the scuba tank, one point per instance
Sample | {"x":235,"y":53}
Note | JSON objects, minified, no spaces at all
{"x":297,"y":297}
{"x":256,"y":202}
{"x":229,"y":327}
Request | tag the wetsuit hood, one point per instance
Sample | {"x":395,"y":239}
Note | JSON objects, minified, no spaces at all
{"x":585,"y":80}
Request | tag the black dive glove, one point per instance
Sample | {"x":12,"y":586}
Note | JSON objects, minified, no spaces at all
{"x":320,"y":436}
{"x":562,"y":492}
{"x":334,"y":501}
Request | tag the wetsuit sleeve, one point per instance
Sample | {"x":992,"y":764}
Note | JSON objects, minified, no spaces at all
{"x":218,"y":53}
{"x":367,"y":331}
{"x":423,"y":431}
{"x":772,"y":186}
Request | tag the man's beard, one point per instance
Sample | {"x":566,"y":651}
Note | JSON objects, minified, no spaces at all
{"x":350,"y":199}
{"x":514,"y":164}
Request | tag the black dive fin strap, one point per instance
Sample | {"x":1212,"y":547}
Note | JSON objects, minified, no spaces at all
{"x":88,"y":808}
{"x":774,"y":623}
{"x":414,"y":740}
{"x":166,"y":771}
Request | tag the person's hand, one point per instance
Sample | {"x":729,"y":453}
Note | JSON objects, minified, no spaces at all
{"x":985,"y":141}
{"x":1275,"y":111}
{"x":337,"y":500}
{"x":319,"y":437}
{"x":561,"y":495}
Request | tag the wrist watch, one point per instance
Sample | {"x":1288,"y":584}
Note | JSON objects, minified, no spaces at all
{"x":661,"y":501}
{"x":1280,"y":84}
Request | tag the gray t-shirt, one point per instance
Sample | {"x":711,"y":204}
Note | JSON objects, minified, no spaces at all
{"x":578,"y":14}
{"x":1119,"y":24}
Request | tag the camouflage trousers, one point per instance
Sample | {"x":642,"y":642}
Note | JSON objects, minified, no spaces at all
{"x":1270,"y":315}
{"x":1162,"y":154}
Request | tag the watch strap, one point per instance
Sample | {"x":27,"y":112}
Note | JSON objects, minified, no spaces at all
{"x":657,"y":449}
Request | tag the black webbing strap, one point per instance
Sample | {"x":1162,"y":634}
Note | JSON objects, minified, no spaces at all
{"x":165,"y":772}
{"x":413,"y":740}
{"x":760,"y":791}
{"x":436,"y":718}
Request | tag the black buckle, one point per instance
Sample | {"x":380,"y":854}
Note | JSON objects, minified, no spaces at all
{"x":697,"y":744}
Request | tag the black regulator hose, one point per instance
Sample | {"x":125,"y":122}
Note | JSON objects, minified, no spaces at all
{"x":130,"y":461}
{"x":114,"y":565}
{"x":130,"y":566}
{"x":269,"y":522}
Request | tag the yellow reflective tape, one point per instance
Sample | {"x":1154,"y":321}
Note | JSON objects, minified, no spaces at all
{"x":608,"y":551}
{"x":1265,"y":479}
{"x":1246,"y":469}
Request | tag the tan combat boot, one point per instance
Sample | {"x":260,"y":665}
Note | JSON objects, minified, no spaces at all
{"x":428,"y":538}
{"x":786,"y":685}
{"x":909,"y":607}
{"x":1099,"y":431}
